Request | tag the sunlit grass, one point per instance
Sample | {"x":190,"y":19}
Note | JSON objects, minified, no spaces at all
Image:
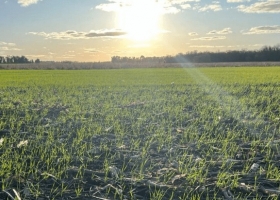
{"x":130,"y":77}
{"x":204,"y":133}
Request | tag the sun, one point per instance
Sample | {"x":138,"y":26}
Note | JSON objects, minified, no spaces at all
{"x":140,"y":19}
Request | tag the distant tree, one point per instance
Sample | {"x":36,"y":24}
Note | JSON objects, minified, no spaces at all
{"x":23,"y":59}
{"x":9,"y":59}
{"x":37,"y":60}
{"x":115,"y":59}
{"x":17,"y":59}
{"x":264,"y":54}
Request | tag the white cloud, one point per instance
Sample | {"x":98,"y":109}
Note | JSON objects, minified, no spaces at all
{"x":25,"y":3}
{"x":5,"y":48}
{"x":68,"y":35}
{"x":92,"y":50}
{"x":211,"y":38}
{"x":121,"y":5}
{"x":225,"y":31}
{"x":269,"y":6}
{"x":35,"y":56}
{"x":213,"y":7}
{"x":7,"y":44}
{"x":185,"y":6}
{"x":193,"y":34}
{"x":165,"y":6}
{"x":264,"y":30}
{"x":110,"y":7}
{"x":256,"y":45}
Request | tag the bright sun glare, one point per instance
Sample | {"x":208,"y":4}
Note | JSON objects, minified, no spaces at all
{"x":140,"y":19}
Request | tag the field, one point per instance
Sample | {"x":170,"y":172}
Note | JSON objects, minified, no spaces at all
{"x":183,"y":133}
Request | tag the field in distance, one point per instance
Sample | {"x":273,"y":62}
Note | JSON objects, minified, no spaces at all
{"x":48,"y":65}
{"x":182,"y":133}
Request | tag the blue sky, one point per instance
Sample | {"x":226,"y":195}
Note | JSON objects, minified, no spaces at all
{"x":96,"y":30}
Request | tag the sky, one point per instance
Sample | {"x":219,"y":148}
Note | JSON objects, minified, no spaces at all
{"x":96,"y":30}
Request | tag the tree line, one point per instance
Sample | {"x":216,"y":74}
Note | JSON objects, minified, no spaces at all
{"x":16,"y":59}
{"x":265,"y":54}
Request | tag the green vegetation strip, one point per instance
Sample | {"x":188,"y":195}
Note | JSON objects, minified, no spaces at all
{"x":207,"y":133}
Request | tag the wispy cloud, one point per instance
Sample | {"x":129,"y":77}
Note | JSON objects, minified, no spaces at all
{"x":211,"y":38}
{"x":110,"y":7}
{"x":212,"y":7}
{"x":35,"y":56}
{"x":185,"y":6}
{"x":92,"y":50}
{"x":193,"y":34}
{"x":25,"y":3}
{"x":269,"y":6}
{"x":264,"y":30}
{"x":106,"y":33}
{"x":68,"y":35}
{"x":164,"y":6}
{"x":225,"y":31}
{"x":5,"y":46}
